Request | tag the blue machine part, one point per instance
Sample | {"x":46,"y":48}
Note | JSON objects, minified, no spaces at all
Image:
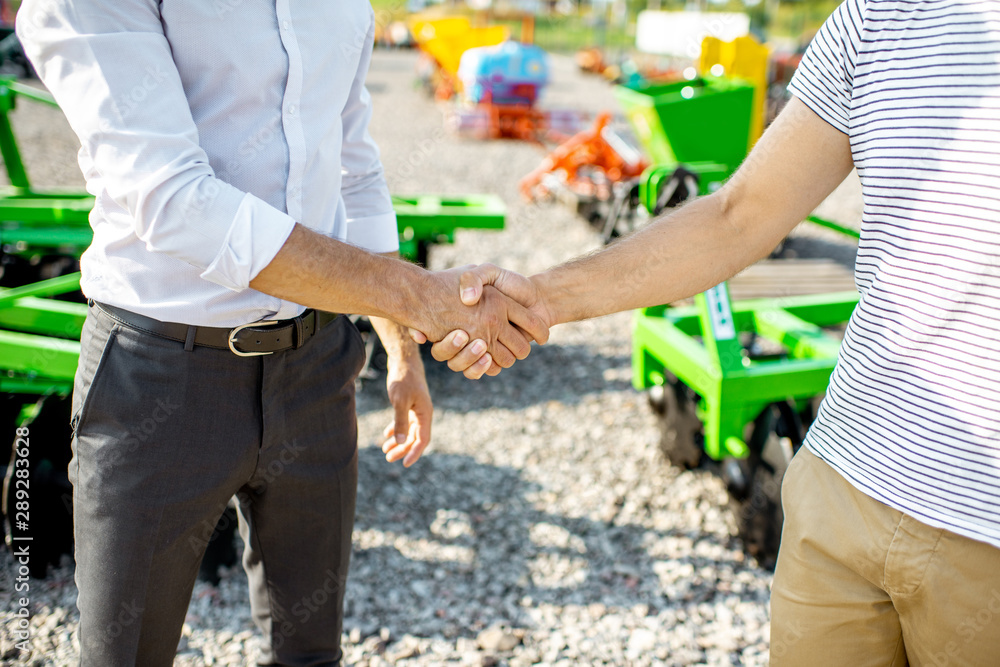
{"x":507,"y":73}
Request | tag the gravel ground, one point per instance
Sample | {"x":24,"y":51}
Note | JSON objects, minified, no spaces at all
{"x":543,"y":527}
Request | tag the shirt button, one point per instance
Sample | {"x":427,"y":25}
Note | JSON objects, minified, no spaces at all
{"x":285,"y":25}
{"x":291,"y":110}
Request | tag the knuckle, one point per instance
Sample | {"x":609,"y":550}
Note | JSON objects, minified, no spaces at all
{"x":505,"y":359}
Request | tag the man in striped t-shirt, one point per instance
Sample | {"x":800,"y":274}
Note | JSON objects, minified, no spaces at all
{"x":891,"y":545}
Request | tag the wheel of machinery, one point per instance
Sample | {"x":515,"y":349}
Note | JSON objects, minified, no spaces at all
{"x":754,"y":483}
{"x":681,"y":431}
{"x":679,"y":188}
{"x":625,"y":213}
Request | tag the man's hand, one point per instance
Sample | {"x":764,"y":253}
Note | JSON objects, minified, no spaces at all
{"x":408,"y":435}
{"x":410,"y":432}
{"x":485,"y":316}
{"x":471,"y":358}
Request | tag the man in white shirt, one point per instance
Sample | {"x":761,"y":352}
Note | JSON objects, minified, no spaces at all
{"x":227,"y":147}
{"x":891,"y":546}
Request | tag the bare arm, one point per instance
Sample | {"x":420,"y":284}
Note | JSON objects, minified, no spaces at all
{"x":408,"y":435}
{"x":798,"y":162}
{"x":324,"y":273}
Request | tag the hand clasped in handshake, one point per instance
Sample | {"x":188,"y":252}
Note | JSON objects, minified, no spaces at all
{"x":500,"y":313}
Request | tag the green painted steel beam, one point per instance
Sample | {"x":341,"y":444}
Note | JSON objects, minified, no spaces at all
{"x":820,"y":309}
{"x":676,"y":351}
{"x":718,"y":327}
{"x":73,"y":239}
{"x":34,"y":208}
{"x":42,"y":355}
{"x":802,"y":339}
{"x":426,"y":217}
{"x":835,"y":226}
{"x":24,"y":90}
{"x":49,"y":317}
{"x":50,"y":287}
{"x":20,"y":384}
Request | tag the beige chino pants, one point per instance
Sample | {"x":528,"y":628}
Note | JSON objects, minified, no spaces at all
{"x":859,"y":584}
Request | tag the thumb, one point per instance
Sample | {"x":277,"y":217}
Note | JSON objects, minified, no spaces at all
{"x":418,"y":337}
{"x":471,"y":282}
{"x":402,"y":427}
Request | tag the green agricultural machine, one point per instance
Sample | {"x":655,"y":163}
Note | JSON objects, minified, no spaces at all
{"x":695,"y":133}
{"x":735,"y":385}
{"x":42,"y":235}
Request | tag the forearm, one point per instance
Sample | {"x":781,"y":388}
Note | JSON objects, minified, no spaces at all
{"x":396,"y":340}
{"x":794,"y":166}
{"x":676,"y":256}
{"x":323,"y":273}
{"x":395,"y":337}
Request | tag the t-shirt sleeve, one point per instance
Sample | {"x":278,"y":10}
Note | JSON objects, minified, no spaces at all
{"x":824,"y":80}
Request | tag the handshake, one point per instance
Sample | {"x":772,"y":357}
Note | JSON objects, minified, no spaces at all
{"x":500,"y":313}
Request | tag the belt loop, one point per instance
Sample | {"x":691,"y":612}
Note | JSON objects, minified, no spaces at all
{"x":189,"y":339}
{"x":300,"y":336}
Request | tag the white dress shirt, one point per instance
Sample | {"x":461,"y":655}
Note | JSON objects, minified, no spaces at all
{"x":208,"y":128}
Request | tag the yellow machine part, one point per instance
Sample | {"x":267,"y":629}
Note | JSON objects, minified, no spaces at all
{"x":425,"y":28}
{"x":743,"y":58}
{"x":448,"y":50}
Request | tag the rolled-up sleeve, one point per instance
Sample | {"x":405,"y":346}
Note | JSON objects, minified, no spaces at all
{"x":371,"y":221}
{"x":109,"y":66}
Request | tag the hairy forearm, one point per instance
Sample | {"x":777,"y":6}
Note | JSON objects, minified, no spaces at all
{"x":675,"y":256}
{"x":399,"y":347}
{"x":793,"y":167}
{"x":323,"y":273}
{"x":315,"y":271}
{"x":395,"y":337}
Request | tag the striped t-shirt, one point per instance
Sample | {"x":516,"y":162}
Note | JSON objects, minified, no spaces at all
{"x":912,"y":415}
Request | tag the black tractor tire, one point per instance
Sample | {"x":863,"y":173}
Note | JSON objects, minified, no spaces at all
{"x":681,"y":432}
{"x":755,"y":482}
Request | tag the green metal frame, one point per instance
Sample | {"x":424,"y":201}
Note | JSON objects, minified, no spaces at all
{"x":427,"y":219}
{"x":62,"y":226}
{"x":703,"y":126}
{"x":700,"y":346}
{"x":711,"y":176}
{"x":40,"y":337}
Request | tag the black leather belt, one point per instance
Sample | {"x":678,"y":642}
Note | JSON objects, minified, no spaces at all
{"x":247,"y":340}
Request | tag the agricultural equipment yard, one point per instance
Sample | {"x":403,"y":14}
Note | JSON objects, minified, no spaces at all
{"x":544,"y":526}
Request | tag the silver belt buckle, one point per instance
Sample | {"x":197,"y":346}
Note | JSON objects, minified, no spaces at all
{"x":236,"y":330}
